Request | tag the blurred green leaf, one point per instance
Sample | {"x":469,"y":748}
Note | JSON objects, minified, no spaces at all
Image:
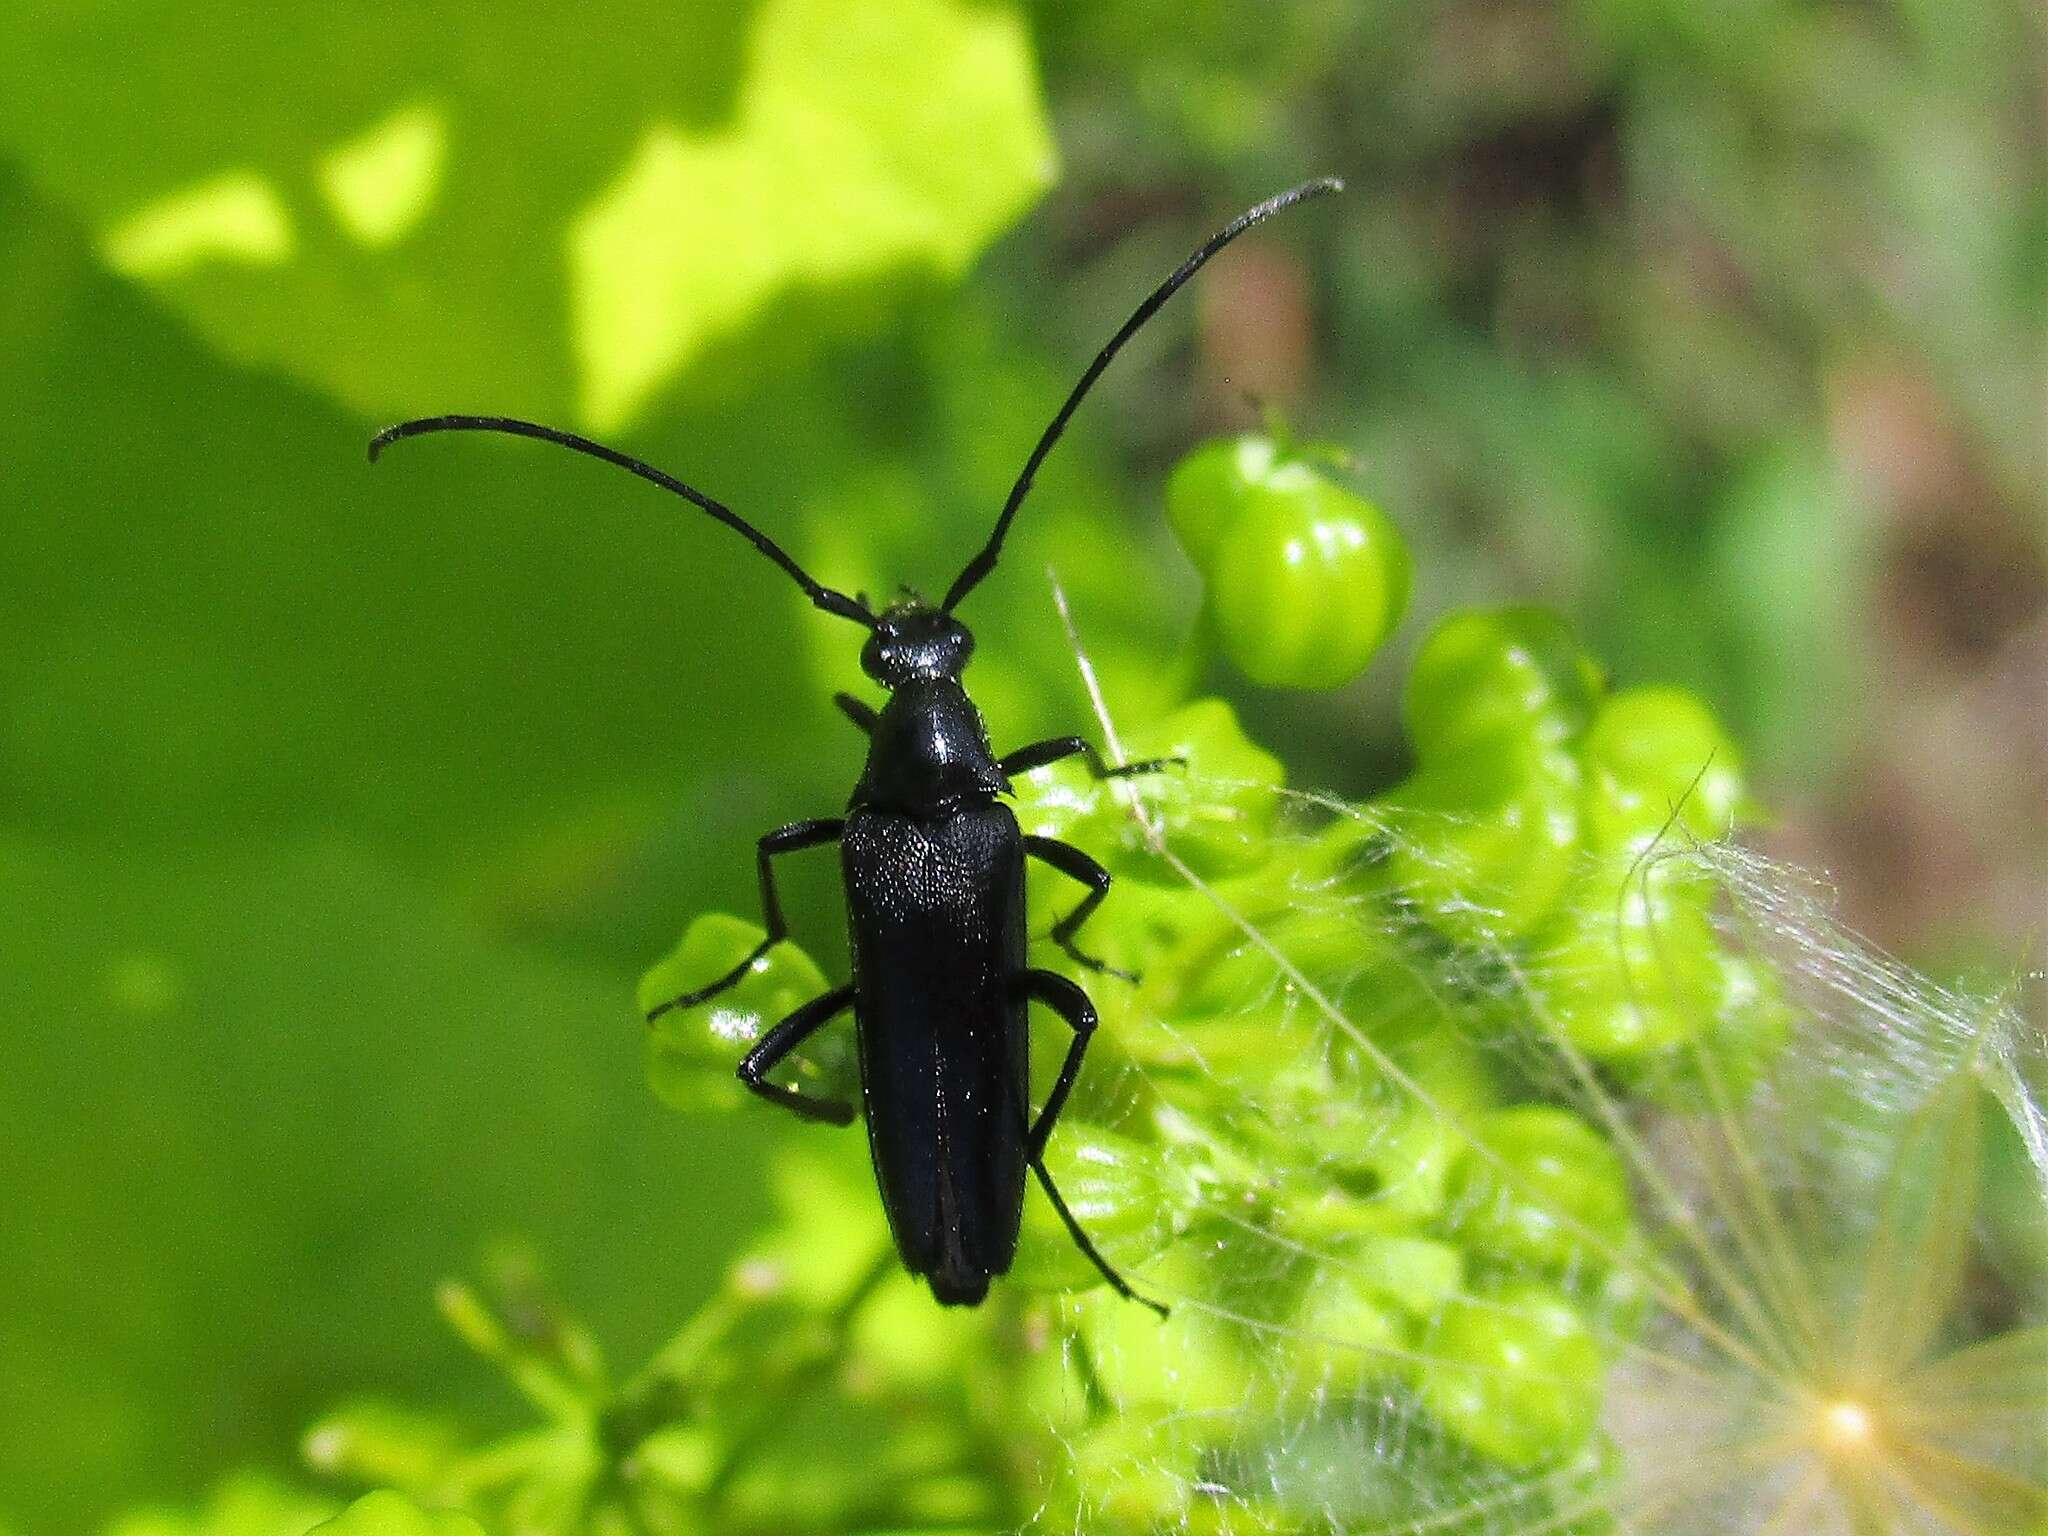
{"x":385,"y":1513}
{"x":558,"y":232}
{"x":1791,"y":569}
{"x":265,"y":1098}
{"x":246,"y":1504}
{"x":221,"y":616}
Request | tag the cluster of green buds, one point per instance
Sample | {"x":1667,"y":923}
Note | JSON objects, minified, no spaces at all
{"x":1548,"y":823}
{"x":1304,"y":579}
{"x":1337,"y":1121}
{"x":1354,"y":1120}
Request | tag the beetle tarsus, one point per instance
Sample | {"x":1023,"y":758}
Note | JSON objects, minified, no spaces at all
{"x":1087,"y":1246}
{"x":793,"y":838}
{"x":1078,"y":866}
{"x":730,"y":979}
{"x":1095,"y":963}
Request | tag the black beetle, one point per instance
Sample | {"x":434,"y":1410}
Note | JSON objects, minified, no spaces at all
{"x":934,"y":871}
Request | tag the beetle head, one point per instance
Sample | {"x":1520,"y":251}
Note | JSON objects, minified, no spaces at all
{"x":912,"y":639}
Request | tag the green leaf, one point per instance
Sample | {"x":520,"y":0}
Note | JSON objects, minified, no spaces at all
{"x":692,"y":1053}
{"x":385,"y":1513}
{"x":245,"y":1504}
{"x":359,"y":203}
{"x":237,"y":1059}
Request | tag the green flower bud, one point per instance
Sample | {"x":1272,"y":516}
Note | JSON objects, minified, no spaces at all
{"x":1305,"y":578}
{"x":1376,"y":1156}
{"x":1499,"y":681}
{"x":692,"y":1052}
{"x":1485,"y":843}
{"x":370,"y":1441}
{"x":1487,"y":829}
{"x":1418,"y":1275}
{"x":1653,"y":754}
{"x":1208,"y":489}
{"x":1515,"y":1374}
{"x":1632,"y":966}
{"x":1307,"y":585}
{"x":1345,"y":1333}
{"x":392,"y":1514}
{"x":1216,"y":809}
{"x":1751,"y":1025}
{"x":1547,"y":1190}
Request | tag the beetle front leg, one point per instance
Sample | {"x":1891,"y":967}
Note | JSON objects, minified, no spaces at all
{"x":797,"y":835}
{"x":785,"y":1037}
{"x":1076,"y":865}
{"x":862,"y":714}
{"x":1040,"y":753}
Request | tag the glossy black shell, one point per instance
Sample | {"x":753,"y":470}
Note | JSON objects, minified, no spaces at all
{"x":934,"y":869}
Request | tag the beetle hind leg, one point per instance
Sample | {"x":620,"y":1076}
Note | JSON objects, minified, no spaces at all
{"x":785,"y":1037}
{"x":1088,"y":1249}
{"x":1072,"y":1005}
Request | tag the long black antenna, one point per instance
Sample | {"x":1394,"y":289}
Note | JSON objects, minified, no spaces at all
{"x":985,"y":561}
{"x":823,"y":596}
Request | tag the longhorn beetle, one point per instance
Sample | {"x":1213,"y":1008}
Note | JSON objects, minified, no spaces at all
{"x":933,"y":863}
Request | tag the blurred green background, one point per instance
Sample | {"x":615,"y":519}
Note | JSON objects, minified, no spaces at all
{"x":339,"y":809}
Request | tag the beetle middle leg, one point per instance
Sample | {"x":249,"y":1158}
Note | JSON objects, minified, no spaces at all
{"x":1040,"y":753}
{"x":1076,"y":865}
{"x":785,"y":1037}
{"x":789,"y":839}
{"x":1072,"y":1005}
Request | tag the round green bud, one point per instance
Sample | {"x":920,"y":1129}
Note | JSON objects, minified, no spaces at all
{"x":1656,"y":757}
{"x":1484,"y":845}
{"x":1404,"y":1172}
{"x":692,"y":1052}
{"x":1515,"y":1374}
{"x":1417,"y":1275}
{"x":1631,"y":967}
{"x":1344,"y":1334}
{"x":1208,"y":488}
{"x":1499,"y":680}
{"x":1307,"y":583}
{"x":1751,"y":1026}
{"x":1542,"y":1188}
{"x":1306,"y":579}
